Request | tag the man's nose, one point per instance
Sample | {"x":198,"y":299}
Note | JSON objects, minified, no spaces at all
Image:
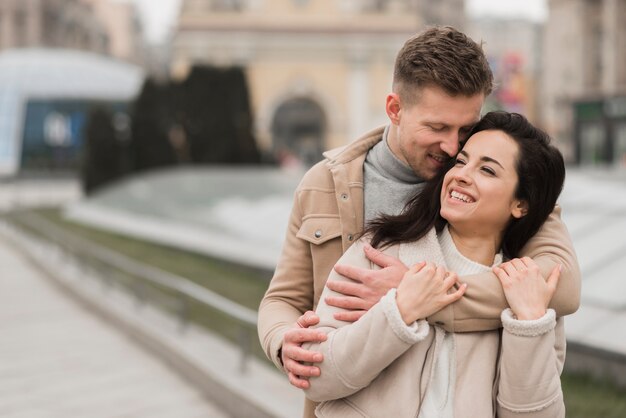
{"x":451,"y":145}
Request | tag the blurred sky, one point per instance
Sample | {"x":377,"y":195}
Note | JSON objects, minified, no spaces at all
{"x":159,"y":16}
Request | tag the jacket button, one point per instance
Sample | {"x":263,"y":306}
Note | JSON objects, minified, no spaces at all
{"x":318,"y":233}
{"x":344,"y":196}
{"x":350,"y":237}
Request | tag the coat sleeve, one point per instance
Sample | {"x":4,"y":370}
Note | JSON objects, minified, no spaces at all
{"x":530,"y":366}
{"x":356,"y":353}
{"x":290,"y":292}
{"x":480,"y":308}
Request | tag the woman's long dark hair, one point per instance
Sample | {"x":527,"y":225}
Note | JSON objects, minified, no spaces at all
{"x":540,"y":171}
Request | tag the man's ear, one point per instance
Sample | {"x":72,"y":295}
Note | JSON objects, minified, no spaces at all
{"x":520,"y":209}
{"x":393,"y":108}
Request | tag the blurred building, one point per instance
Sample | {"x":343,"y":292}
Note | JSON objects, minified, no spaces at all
{"x":45,"y":98}
{"x":514,"y":51}
{"x":318,"y":70}
{"x":123,"y":28}
{"x":446,"y":12}
{"x":51,"y":23}
{"x":584,"y":83}
{"x":102,"y":26}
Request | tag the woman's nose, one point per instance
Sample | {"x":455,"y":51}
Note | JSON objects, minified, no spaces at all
{"x":462,"y":175}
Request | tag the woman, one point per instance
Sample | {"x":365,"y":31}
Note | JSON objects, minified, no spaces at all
{"x":484,"y":206}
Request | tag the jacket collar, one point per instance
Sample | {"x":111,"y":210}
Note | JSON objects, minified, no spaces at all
{"x":355,"y":149}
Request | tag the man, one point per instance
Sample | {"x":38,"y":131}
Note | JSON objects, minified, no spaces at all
{"x":441,"y":78}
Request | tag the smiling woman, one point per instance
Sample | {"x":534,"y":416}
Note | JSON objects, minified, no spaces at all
{"x":482,"y":207}
{"x":502,"y":148}
{"x":478,"y":192}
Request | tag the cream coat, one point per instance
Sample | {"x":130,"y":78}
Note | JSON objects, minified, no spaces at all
{"x":376,"y":367}
{"x":327,"y":214}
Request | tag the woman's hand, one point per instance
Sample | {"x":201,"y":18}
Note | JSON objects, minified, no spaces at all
{"x":424,"y":290}
{"x":525,"y":289}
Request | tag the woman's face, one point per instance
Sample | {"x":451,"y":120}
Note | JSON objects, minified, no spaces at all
{"x":478,"y":192}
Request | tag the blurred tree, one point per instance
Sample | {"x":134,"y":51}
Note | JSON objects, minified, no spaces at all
{"x":205,"y":119}
{"x":151,"y":147}
{"x":103,"y":159}
{"x":217,"y":116}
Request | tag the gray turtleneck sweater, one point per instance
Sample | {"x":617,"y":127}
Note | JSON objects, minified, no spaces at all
{"x":388,"y":182}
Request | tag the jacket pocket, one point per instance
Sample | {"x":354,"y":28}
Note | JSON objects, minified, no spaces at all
{"x":318,"y":229}
{"x":339,"y":408}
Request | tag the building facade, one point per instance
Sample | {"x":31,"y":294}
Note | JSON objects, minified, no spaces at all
{"x":318,"y":71}
{"x":51,"y":23}
{"x":584,"y":79}
{"x":123,"y":29}
{"x":102,"y":26}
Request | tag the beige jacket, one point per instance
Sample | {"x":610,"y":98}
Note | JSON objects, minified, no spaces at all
{"x":327,"y":214}
{"x":380,"y":367}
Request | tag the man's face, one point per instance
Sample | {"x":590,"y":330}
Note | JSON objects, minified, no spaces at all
{"x":428,"y":132}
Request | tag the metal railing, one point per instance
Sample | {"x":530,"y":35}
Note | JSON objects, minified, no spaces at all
{"x":85,"y":252}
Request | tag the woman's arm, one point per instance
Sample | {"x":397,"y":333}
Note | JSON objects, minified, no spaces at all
{"x":530,"y":367}
{"x":484,"y":301}
{"x":533,"y":344}
{"x":355,"y":353}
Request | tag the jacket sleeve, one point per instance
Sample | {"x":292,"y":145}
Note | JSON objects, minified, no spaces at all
{"x":290,"y":292}
{"x":532,"y":357}
{"x":356,"y":353}
{"x":480,"y":308}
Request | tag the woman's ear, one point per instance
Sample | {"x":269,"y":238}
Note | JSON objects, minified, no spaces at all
{"x":520,"y":209}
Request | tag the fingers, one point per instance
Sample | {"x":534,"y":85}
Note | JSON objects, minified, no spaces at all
{"x":509,"y":268}
{"x":299,"y":336}
{"x":501,"y":274}
{"x":528,"y":262}
{"x":426,"y":269}
{"x":518,"y":264}
{"x":347,"y":302}
{"x":298,"y":373}
{"x":294,"y":353}
{"x":450,"y":279}
{"x":298,"y":382}
{"x":416,"y":268}
{"x":457,"y":294}
{"x":349,"y":316}
{"x":379,"y":258}
{"x":309,"y":318}
{"x":553,"y":279}
{"x":351,"y":272}
{"x":346,"y":288}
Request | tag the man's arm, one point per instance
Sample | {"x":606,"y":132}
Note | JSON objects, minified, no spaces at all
{"x":480,"y":308}
{"x":290,"y":292}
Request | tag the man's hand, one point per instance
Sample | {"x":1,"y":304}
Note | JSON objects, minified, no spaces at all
{"x":367,"y":286}
{"x":292,"y":353}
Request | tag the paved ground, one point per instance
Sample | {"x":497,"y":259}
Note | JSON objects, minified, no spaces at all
{"x":58,"y":360}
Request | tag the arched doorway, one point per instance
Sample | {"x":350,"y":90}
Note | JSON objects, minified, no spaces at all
{"x":298,"y":130}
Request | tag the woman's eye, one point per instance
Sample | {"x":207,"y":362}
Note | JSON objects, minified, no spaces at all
{"x":489,"y":171}
{"x":459,"y":162}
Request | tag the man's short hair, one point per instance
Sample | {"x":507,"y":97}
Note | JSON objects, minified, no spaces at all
{"x":443,"y":57}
